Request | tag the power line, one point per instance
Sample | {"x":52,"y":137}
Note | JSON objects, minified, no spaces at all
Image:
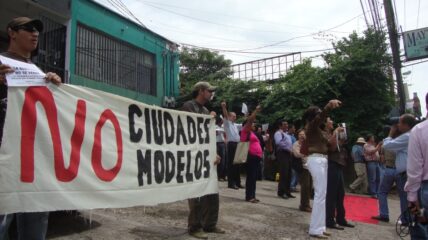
{"x":307,"y":35}
{"x":232,"y":16}
{"x":249,"y":52}
{"x":417,"y":19}
{"x":211,"y":22}
{"x":124,"y":11}
{"x":130,"y":12}
{"x":171,"y":28}
{"x":396,"y":16}
{"x":118,"y":8}
{"x":364,"y":12}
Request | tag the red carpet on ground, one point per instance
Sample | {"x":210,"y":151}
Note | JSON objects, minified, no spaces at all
{"x":361,"y":208}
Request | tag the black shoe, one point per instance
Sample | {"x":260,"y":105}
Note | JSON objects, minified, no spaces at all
{"x":283,"y":196}
{"x":233,"y":187}
{"x":290,"y":196}
{"x":347,"y":225}
{"x":380,"y":218}
{"x":335,"y":226}
{"x":240,"y":186}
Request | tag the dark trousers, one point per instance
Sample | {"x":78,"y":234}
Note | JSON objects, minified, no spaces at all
{"x":233,"y":175}
{"x":203,"y":212}
{"x":32,"y":225}
{"x":335,"y":211}
{"x":305,"y":188}
{"x":284,"y":159}
{"x":253,"y":165}
{"x":222,"y":166}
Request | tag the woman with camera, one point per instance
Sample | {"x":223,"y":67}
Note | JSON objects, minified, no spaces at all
{"x":316,"y":145}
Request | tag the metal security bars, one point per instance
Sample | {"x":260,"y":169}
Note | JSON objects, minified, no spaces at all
{"x":266,"y":69}
{"x":50,"y":55}
{"x":104,"y":59}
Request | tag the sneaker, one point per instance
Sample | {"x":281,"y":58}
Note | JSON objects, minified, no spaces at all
{"x":199,"y":234}
{"x":216,"y":230}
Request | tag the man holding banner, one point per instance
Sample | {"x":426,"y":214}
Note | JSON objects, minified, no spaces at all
{"x":23,"y":36}
{"x":203,"y":214}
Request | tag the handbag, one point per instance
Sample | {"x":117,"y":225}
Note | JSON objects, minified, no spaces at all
{"x":241,"y":153}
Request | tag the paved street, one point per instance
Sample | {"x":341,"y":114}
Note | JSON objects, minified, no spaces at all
{"x":272,"y":218}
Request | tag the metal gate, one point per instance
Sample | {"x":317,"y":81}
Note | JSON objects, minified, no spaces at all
{"x":50,"y":55}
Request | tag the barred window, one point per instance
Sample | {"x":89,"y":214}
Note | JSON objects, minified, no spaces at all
{"x":104,"y":59}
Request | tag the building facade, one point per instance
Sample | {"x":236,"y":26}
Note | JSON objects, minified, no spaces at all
{"x":93,"y":46}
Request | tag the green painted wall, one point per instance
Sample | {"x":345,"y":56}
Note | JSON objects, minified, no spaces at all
{"x":96,"y":16}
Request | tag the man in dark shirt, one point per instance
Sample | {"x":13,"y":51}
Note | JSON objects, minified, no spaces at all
{"x":203,"y":214}
{"x":23,"y":36}
{"x":335,"y":209}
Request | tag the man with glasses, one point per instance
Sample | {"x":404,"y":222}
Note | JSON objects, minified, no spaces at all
{"x":23,"y":36}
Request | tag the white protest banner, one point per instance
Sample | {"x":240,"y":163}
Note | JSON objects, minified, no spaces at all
{"x":68,"y":147}
{"x":24,"y":74}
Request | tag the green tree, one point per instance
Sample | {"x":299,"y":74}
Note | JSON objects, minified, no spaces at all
{"x":302,"y":87}
{"x":235,"y":92}
{"x":356,"y":73}
{"x":359,"y":71}
{"x":201,"y":65}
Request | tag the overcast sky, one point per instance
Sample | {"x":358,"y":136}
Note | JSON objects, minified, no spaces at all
{"x":248,"y":24}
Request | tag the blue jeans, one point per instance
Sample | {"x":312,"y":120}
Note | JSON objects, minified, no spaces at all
{"x":389,"y":177}
{"x":294,"y":179}
{"x":382,"y":168}
{"x":373,"y":172}
{"x":420,"y":231}
{"x":31,"y":226}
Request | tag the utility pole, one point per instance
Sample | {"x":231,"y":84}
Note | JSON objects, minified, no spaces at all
{"x":395,"y":47}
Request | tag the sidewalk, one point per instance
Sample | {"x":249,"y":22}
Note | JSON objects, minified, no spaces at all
{"x":272,"y":218}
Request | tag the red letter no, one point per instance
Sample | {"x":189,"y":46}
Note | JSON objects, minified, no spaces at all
{"x":28,"y":129}
{"x":106,"y":175}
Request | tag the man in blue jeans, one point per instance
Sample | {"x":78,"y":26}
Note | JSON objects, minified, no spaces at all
{"x":385,"y":186}
{"x":417,"y":176}
{"x":23,"y":36}
{"x":399,"y":146}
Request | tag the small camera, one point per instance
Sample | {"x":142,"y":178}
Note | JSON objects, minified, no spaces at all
{"x":343,"y":135}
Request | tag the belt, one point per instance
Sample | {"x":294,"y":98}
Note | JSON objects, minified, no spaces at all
{"x":318,"y":155}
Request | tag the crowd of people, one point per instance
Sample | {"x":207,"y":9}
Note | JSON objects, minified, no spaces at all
{"x":316,"y":156}
{"x":313,"y":156}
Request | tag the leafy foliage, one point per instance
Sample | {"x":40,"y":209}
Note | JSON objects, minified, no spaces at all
{"x":201,"y":65}
{"x":359,"y":69}
{"x":356,"y":73}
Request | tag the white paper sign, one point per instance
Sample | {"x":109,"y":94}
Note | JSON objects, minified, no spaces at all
{"x":68,"y":147}
{"x":25,"y":74}
{"x":244,"y":109}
